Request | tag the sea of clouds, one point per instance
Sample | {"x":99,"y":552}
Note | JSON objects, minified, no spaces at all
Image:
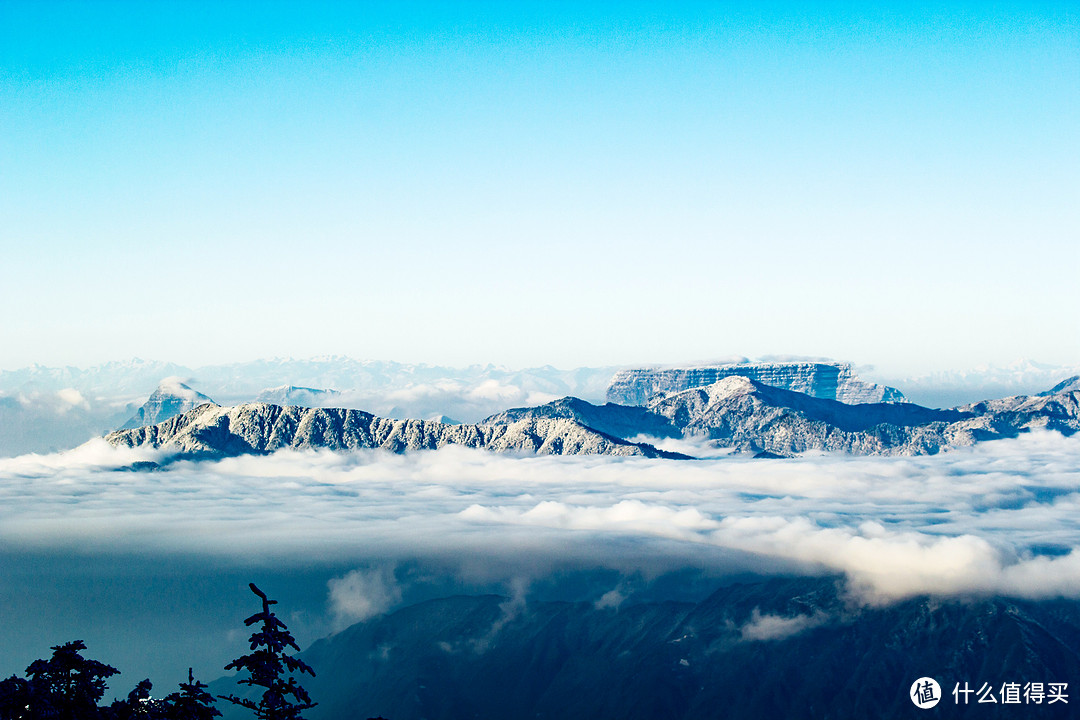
{"x":999,"y":518}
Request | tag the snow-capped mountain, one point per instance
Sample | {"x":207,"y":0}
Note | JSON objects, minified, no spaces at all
{"x":735,"y":412}
{"x":1071,"y":384}
{"x":46,"y":409}
{"x":756,"y":418}
{"x":213,"y":431}
{"x":617,"y":420}
{"x":172,"y":397}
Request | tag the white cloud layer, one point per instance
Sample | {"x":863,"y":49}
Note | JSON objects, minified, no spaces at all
{"x":997,"y":518}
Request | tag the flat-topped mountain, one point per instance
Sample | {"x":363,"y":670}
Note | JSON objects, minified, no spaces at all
{"x":259,"y":428}
{"x":826,"y":380}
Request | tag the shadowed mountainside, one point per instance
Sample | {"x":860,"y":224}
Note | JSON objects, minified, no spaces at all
{"x":778,"y":648}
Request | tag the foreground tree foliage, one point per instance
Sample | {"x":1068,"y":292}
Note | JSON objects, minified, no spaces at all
{"x":68,"y":686}
{"x":139,"y":704}
{"x":271,"y":668}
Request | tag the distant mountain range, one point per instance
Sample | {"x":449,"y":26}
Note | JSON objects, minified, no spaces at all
{"x":777,"y":648}
{"x":960,"y":387}
{"x":242,"y":382}
{"x":735,"y":412}
{"x":45,"y":409}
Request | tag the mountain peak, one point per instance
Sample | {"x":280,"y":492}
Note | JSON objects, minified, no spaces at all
{"x":172,"y":397}
{"x":1070,"y":384}
{"x":731,"y":386}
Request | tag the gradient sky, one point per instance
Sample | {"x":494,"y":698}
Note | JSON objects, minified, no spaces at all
{"x":532,"y":183}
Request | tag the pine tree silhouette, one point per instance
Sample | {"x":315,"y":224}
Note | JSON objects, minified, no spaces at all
{"x":191,"y":703}
{"x":271,"y":668}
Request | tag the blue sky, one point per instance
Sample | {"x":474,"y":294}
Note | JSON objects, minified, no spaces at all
{"x":532,"y":183}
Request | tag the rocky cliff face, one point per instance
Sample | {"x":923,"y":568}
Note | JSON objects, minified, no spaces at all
{"x":830,"y":381}
{"x":259,"y":428}
{"x":171,"y":398}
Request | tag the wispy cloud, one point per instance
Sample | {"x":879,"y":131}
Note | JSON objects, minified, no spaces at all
{"x":362,"y":594}
{"x":764,"y":626}
{"x":997,"y":518}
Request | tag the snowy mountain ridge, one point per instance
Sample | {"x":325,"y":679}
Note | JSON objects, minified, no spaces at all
{"x":211,"y":431}
{"x":735,"y":412}
{"x":45,"y":409}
